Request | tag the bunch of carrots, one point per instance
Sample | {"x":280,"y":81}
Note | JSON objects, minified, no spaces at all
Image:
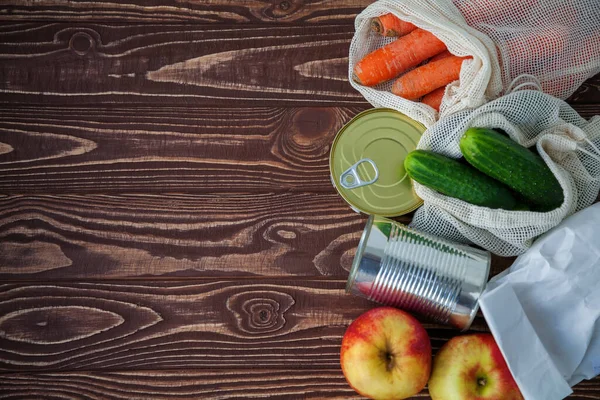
{"x":413,"y":47}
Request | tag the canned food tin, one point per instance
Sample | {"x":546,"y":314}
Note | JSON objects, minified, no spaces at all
{"x":398,"y":266}
{"x":367,"y":162}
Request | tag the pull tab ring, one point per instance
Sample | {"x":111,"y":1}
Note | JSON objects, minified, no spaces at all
{"x":350,"y":178}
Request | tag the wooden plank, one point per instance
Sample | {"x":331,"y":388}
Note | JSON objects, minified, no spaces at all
{"x":125,"y":236}
{"x":232,"y":330}
{"x":204,"y":12}
{"x":175,"y":64}
{"x":258,"y":323}
{"x":205,"y":384}
{"x":139,"y":236}
{"x":177,"y":149}
{"x":587,"y":111}
{"x":178,"y":64}
{"x":107,"y":150}
{"x":280,"y":383}
{"x":588,"y":93}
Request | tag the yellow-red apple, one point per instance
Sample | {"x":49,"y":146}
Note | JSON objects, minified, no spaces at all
{"x":472,"y":367}
{"x":386,"y":354}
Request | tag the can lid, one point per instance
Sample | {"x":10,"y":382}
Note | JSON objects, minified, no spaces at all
{"x":367,"y":162}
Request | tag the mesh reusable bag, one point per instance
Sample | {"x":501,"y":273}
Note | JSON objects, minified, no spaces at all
{"x":568,"y":144}
{"x":556,"y":41}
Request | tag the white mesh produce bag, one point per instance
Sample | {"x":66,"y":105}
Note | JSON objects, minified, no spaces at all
{"x":568,"y":144}
{"x":556,"y":41}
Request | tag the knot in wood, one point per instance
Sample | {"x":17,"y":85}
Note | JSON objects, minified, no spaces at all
{"x":282,"y":9}
{"x":260,"y":312}
{"x":263,"y":313}
{"x":81,"y":43}
{"x":287,"y":234}
{"x":310,"y":134}
{"x":283,"y":233}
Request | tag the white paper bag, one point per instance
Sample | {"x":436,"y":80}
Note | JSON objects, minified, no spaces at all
{"x":544,"y":312}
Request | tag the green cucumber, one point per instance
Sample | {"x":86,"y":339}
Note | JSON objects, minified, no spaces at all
{"x":514,"y":165}
{"x":450,"y":177}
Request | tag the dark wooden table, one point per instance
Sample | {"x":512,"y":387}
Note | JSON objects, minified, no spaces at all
{"x":168,"y":228}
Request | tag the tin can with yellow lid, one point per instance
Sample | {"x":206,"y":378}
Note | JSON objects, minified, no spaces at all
{"x":367,"y":162}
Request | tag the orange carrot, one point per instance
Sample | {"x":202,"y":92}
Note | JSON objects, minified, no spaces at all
{"x":434,"y":99}
{"x":393,"y":59}
{"x":390,"y":25}
{"x":428,"y":77}
{"x":441,"y":56}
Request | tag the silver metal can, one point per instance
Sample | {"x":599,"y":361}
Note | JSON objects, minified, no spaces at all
{"x":397,"y":266}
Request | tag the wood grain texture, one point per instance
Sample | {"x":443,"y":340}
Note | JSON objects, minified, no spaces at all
{"x":223,"y":334}
{"x":214,"y":384}
{"x":181,"y":384}
{"x":256,"y":323}
{"x":588,"y":93}
{"x":125,"y":236}
{"x":176,"y":236}
{"x":167,"y":224}
{"x":176,"y":149}
{"x":175,"y":64}
{"x":203,"y":12}
{"x":587,"y":111}
{"x":89,"y":63}
{"x":49,"y":149}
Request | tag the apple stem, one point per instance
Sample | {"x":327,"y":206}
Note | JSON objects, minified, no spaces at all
{"x":481,"y":381}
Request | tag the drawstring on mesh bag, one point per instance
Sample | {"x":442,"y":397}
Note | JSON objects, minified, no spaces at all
{"x":532,"y":83}
{"x":595,"y":155}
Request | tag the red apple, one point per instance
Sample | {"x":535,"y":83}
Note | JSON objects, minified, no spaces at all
{"x":472,"y":367}
{"x":386,"y":354}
